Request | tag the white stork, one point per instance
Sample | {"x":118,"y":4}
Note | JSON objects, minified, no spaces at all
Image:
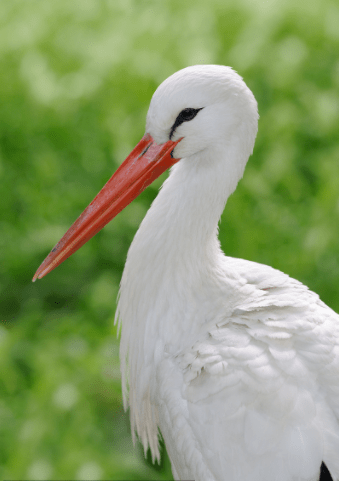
{"x":234,"y":362}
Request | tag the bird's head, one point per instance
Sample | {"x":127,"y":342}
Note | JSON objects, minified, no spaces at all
{"x":207,"y":106}
{"x":205,"y":109}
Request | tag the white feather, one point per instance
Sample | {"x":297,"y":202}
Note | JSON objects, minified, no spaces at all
{"x":236,"y":363}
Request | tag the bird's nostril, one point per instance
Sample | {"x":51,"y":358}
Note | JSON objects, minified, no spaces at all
{"x":145,"y":150}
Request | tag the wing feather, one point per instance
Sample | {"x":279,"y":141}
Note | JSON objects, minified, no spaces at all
{"x":261,"y":387}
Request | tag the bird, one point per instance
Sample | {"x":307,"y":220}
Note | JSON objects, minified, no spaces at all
{"x":235,"y":363}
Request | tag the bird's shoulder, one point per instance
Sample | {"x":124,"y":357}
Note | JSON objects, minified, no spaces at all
{"x":274,"y":329}
{"x":262,"y":383}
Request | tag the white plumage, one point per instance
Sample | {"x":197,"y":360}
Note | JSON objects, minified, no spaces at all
{"x":236,"y":363}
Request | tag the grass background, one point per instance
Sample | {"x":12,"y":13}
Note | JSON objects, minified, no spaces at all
{"x":75,"y":83}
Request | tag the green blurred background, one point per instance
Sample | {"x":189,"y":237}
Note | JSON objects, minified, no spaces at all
{"x":76,"y":78}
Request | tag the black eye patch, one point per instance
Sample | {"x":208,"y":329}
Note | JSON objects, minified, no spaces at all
{"x":184,"y":116}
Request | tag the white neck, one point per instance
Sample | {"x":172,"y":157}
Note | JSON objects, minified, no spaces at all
{"x":182,"y":223}
{"x":171,"y":268}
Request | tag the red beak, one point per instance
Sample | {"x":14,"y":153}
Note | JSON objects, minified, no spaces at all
{"x":144,"y":164}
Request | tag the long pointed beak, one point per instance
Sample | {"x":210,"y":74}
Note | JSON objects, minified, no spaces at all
{"x":144,"y":164}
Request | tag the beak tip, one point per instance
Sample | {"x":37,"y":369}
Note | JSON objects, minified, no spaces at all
{"x":38,"y":275}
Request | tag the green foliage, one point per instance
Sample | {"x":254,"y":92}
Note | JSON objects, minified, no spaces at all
{"x":76,"y":80}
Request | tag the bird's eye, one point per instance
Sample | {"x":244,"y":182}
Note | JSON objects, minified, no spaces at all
{"x":184,"y":116}
{"x":187,"y":114}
